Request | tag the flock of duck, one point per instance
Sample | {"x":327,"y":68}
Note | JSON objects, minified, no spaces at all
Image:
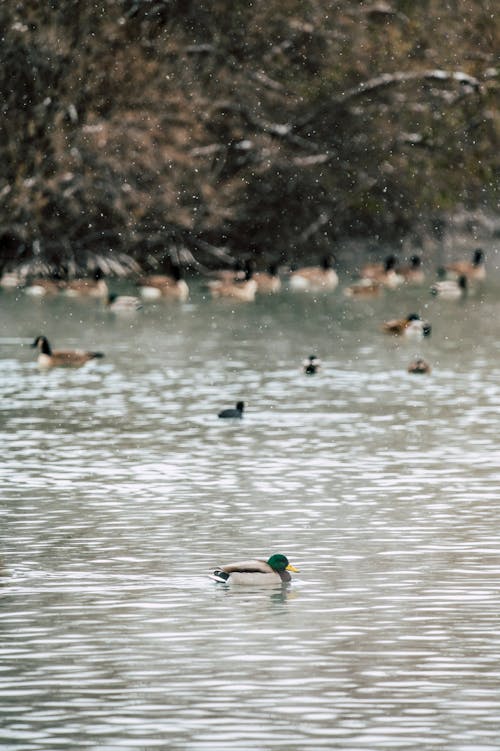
{"x":242,"y":284}
{"x":453,"y":282}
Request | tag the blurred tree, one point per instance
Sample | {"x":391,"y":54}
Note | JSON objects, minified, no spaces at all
{"x":156,"y":127}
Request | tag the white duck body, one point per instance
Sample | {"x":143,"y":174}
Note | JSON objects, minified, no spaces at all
{"x":254,"y":572}
{"x":450,"y":289}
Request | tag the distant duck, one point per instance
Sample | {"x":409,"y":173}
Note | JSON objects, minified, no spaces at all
{"x":383,"y":273}
{"x":413,"y":273}
{"x":43,"y":287}
{"x":268,"y":282}
{"x":474,"y":270}
{"x":242,"y":290}
{"x":230,"y":275}
{"x":90,"y":287}
{"x":11,"y":280}
{"x":236,"y":412}
{"x":311,"y":365}
{"x":450,"y":289}
{"x":364,"y":288}
{"x":315,"y":278}
{"x":123,"y":303}
{"x":169,"y":287}
{"x":276,"y":570}
{"x":419,"y":366}
{"x":49,"y":358}
{"x":411,"y":326}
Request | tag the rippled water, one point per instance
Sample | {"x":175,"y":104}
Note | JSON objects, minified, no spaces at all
{"x":121,"y":489}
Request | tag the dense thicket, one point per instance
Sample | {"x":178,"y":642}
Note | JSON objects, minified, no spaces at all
{"x":207,"y":128}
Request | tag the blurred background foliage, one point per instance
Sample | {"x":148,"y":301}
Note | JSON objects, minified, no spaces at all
{"x":208,"y":129}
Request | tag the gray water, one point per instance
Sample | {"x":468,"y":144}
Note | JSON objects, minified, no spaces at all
{"x":121,"y":489}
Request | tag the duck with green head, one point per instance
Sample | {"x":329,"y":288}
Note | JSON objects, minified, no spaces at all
{"x":275,"y":570}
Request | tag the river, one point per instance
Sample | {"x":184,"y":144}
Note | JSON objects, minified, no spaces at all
{"x":121,"y":489}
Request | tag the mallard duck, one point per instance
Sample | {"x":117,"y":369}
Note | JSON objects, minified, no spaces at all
{"x":268,"y":573}
{"x":413,"y":273}
{"x":384,"y":273}
{"x":268,"y":282}
{"x":170,"y":287}
{"x":49,"y":358}
{"x":419,"y":366}
{"x":411,"y":326}
{"x":474,"y":270}
{"x":242,"y":290}
{"x":364,"y":288}
{"x":311,"y":365}
{"x":233,"y":412}
{"x":450,"y":289}
{"x":123,"y":303}
{"x":315,"y":278}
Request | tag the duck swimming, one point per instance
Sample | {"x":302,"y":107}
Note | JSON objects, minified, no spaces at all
{"x":315,"y":278}
{"x":411,"y":326}
{"x":43,"y":287}
{"x":233,"y":412}
{"x":11,"y":280}
{"x":474,"y":270}
{"x":72,"y":358}
{"x":242,"y":290}
{"x":256,"y":572}
{"x":311,"y":365}
{"x":383,"y":273}
{"x":268,"y":282}
{"x":450,"y":289}
{"x":418,"y":365}
{"x":92,"y":287}
{"x":123,"y":303}
{"x":172,"y":287}
{"x":364,"y":288}
{"x":413,"y":273}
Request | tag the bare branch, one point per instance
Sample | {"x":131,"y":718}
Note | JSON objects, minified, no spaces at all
{"x":392,"y":79}
{"x":323,"y":219}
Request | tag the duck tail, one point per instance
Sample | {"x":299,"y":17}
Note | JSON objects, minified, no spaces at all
{"x":219,"y":576}
{"x":96,"y":354}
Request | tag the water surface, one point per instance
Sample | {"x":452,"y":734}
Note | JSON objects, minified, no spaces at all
{"x":121,"y":489}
